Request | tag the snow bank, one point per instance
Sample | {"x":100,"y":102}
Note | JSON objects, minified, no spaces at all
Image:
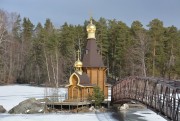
{"x":50,"y":117}
{"x":12,"y":95}
{"x":149,"y":115}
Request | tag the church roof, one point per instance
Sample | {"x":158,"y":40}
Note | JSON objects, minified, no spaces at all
{"x":91,"y":57}
{"x":84,"y":79}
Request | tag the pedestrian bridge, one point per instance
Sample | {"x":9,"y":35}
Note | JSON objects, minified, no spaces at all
{"x":161,"y":96}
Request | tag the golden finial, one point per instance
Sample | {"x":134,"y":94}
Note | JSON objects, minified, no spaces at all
{"x":91,"y":20}
{"x":78,"y":53}
{"x":91,"y":28}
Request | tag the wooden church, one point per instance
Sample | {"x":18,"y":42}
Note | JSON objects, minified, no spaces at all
{"x":89,"y":72}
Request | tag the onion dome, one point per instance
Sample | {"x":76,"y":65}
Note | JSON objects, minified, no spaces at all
{"x":78,"y":64}
{"x":91,"y":28}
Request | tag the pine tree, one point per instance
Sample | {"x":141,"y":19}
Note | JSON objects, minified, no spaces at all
{"x":156,"y":31}
{"x":25,"y":56}
{"x":97,"y":96}
{"x":39,"y":73}
{"x":171,"y":50}
{"x":119,"y":37}
{"x":102,"y":38}
{"x":177,"y":60}
{"x":17,"y":28}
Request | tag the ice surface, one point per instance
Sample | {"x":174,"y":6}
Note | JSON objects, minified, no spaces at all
{"x":149,"y":115}
{"x":49,"y":117}
{"x":12,"y":95}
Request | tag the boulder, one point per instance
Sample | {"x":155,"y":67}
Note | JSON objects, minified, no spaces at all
{"x":29,"y":106}
{"x":45,"y":100}
{"x":92,"y":109}
{"x":124,"y":107}
{"x":102,"y":109}
{"x":2,"y":110}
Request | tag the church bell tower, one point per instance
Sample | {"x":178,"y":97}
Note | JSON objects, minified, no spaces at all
{"x":92,"y":61}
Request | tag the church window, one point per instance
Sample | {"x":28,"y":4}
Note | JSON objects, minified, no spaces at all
{"x":88,"y":90}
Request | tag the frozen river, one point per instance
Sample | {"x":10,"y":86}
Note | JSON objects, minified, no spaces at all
{"x":13,"y":94}
{"x":130,"y":115}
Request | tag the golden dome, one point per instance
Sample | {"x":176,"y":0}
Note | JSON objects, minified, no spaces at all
{"x":91,"y":28}
{"x":78,"y":64}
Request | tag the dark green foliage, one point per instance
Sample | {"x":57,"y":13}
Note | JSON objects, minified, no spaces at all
{"x":140,"y":45}
{"x":17,"y":28}
{"x":119,"y":45}
{"x":27,"y":29}
{"x":102,"y":38}
{"x":97,"y":96}
{"x":156,"y":31}
{"x":44,"y":53}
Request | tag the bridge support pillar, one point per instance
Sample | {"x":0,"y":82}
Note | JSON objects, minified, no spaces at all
{"x":108,"y":104}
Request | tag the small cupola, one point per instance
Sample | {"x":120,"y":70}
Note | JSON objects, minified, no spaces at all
{"x":91,"y":29}
{"x":78,"y":65}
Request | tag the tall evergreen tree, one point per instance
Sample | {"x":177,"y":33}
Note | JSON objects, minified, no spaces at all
{"x":102,"y":38}
{"x":156,"y":31}
{"x":25,"y":56}
{"x":39,"y":73}
{"x":119,"y":37}
{"x":171,"y":50}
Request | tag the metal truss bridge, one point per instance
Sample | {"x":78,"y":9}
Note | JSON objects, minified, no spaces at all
{"x":161,"y":96}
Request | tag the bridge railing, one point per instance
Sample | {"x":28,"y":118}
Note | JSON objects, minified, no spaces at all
{"x":160,"y":95}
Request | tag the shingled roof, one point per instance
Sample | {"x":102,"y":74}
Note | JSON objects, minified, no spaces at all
{"x":84,"y":79}
{"x":91,"y":57}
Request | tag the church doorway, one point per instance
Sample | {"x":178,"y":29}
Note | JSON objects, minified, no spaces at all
{"x":75,"y":92}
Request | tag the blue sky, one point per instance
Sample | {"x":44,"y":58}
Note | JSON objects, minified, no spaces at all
{"x":77,"y":11}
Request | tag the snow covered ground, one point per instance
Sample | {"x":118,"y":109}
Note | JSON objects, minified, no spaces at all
{"x":13,"y":94}
{"x":49,"y":117}
{"x":149,"y":115}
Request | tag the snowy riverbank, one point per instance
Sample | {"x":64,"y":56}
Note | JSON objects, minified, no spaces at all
{"x":12,"y":95}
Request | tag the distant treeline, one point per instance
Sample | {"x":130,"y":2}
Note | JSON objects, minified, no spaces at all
{"x":46,"y":54}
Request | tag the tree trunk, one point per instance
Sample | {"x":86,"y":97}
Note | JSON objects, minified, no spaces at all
{"x":10,"y":64}
{"x":144,"y":66}
{"x":53,"y":69}
{"x":57,"y":68}
{"x":154,"y":54}
{"x":47,"y":66}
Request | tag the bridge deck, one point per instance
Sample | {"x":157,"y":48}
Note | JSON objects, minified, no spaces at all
{"x":161,"y":96}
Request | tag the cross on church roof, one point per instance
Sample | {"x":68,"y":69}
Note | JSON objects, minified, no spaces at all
{"x":78,"y":53}
{"x":91,"y":18}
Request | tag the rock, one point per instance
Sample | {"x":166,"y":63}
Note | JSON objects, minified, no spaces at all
{"x":83,"y":109}
{"x":92,"y":109}
{"x":2,"y":110}
{"x":29,"y":106}
{"x":124,"y":107}
{"x":102,"y":109}
{"x":45,"y":100}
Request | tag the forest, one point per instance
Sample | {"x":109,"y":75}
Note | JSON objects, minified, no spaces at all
{"x":45,"y":54}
